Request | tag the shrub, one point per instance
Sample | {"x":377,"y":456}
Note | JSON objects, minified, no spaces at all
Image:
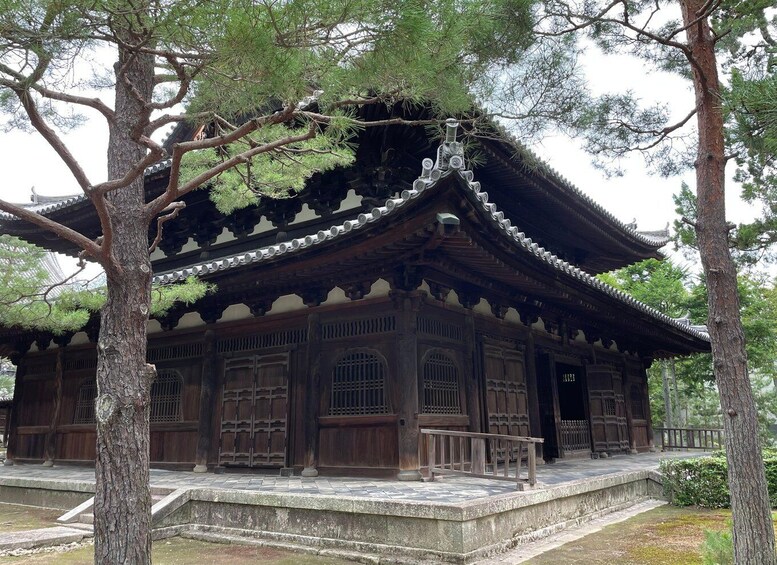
{"x":703,"y":481}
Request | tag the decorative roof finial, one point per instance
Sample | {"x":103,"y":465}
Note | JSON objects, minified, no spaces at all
{"x":450,"y":154}
{"x":34,"y":195}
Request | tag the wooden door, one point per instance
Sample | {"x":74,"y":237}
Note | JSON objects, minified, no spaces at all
{"x":607,"y":408}
{"x":253,"y":415}
{"x":507,"y":397}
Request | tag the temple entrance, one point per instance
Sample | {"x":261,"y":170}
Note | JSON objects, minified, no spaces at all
{"x":507,"y":397}
{"x":253,"y":411}
{"x":575,"y":432}
{"x":608,"y":409}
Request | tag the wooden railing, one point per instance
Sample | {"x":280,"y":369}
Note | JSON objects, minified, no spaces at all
{"x":464,"y":453}
{"x":575,"y":435}
{"x":707,"y":439}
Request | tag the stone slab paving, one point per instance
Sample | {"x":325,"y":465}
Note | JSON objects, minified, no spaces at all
{"x":41,"y":537}
{"x":445,"y":490}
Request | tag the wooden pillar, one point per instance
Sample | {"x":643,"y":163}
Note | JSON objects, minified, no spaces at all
{"x":208,"y":395}
{"x":50,"y":443}
{"x":646,"y":403}
{"x":12,"y":443}
{"x":312,"y":390}
{"x":556,"y":402}
{"x":535,"y":426}
{"x":407,"y":304}
{"x":474,"y":391}
{"x":629,"y":414}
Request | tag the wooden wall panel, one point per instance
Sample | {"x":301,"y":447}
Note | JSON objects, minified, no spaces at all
{"x":374,"y":446}
{"x":76,"y":445}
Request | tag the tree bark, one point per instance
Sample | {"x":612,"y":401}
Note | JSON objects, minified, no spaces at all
{"x":122,"y":499}
{"x":753,"y":532}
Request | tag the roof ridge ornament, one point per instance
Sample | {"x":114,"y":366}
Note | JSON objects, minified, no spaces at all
{"x":450,"y":153}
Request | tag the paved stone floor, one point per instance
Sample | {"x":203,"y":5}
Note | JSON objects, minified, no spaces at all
{"x":445,"y":490}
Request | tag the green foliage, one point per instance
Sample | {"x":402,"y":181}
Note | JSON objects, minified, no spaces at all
{"x":7,"y":378}
{"x":659,"y":284}
{"x":27,"y":291}
{"x":275,"y":174}
{"x":703,"y":481}
{"x":718,"y":548}
{"x":163,"y":297}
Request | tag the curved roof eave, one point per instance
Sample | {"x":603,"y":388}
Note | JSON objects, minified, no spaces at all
{"x":450,"y":161}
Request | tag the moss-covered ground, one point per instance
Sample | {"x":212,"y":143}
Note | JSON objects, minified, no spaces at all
{"x":17,"y":517}
{"x":179,"y":551}
{"x":663,"y":536}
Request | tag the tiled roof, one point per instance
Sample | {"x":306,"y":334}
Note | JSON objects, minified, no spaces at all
{"x":450,"y":161}
{"x":654,"y":239}
{"x":45,"y":205}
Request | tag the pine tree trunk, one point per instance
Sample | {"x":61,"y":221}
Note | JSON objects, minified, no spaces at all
{"x":122,"y":499}
{"x":753,"y":532}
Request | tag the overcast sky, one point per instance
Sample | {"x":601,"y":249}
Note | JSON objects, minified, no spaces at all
{"x":27,"y":161}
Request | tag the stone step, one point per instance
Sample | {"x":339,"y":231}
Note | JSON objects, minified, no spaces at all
{"x":86,"y":518}
{"x":42,"y":537}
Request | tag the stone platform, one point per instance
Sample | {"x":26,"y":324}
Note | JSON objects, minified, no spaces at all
{"x":456,"y":520}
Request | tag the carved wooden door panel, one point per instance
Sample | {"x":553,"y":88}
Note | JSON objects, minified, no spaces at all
{"x":506,"y":392}
{"x":237,"y":403}
{"x":607,"y":408}
{"x":269,"y":440}
{"x":253,"y":416}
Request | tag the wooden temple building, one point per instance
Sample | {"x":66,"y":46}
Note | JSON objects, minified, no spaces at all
{"x":404,"y":292}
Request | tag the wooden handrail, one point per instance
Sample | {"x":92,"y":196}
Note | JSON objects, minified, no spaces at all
{"x":501,"y":448}
{"x":706,"y":439}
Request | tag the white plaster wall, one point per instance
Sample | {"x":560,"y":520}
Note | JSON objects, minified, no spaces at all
{"x":379,"y":288}
{"x":335,"y":296}
{"x":304,"y":215}
{"x":225,"y":236}
{"x":513,"y":316}
{"x":351,"y":201}
{"x":236,"y":312}
{"x":190,"y":320}
{"x":190,"y":245}
{"x":264,"y":225}
{"x":483,"y":307}
{"x":79,"y":338}
{"x":452,"y":298}
{"x":286,"y":303}
{"x":157,"y":254}
{"x":153,"y":327}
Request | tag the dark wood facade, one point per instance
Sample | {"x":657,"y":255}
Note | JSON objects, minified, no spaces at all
{"x":340,"y":330}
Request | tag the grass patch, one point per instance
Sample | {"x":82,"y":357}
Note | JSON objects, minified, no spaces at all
{"x":179,"y":551}
{"x":17,"y":517}
{"x":664,"y":536}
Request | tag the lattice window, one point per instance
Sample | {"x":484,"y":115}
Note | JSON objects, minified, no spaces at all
{"x":441,"y":385}
{"x":87,"y":393}
{"x":609,"y":407}
{"x":637,"y":406}
{"x":364,"y":326}
{"x":359,"y":385}
{"x":166,"y":397}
